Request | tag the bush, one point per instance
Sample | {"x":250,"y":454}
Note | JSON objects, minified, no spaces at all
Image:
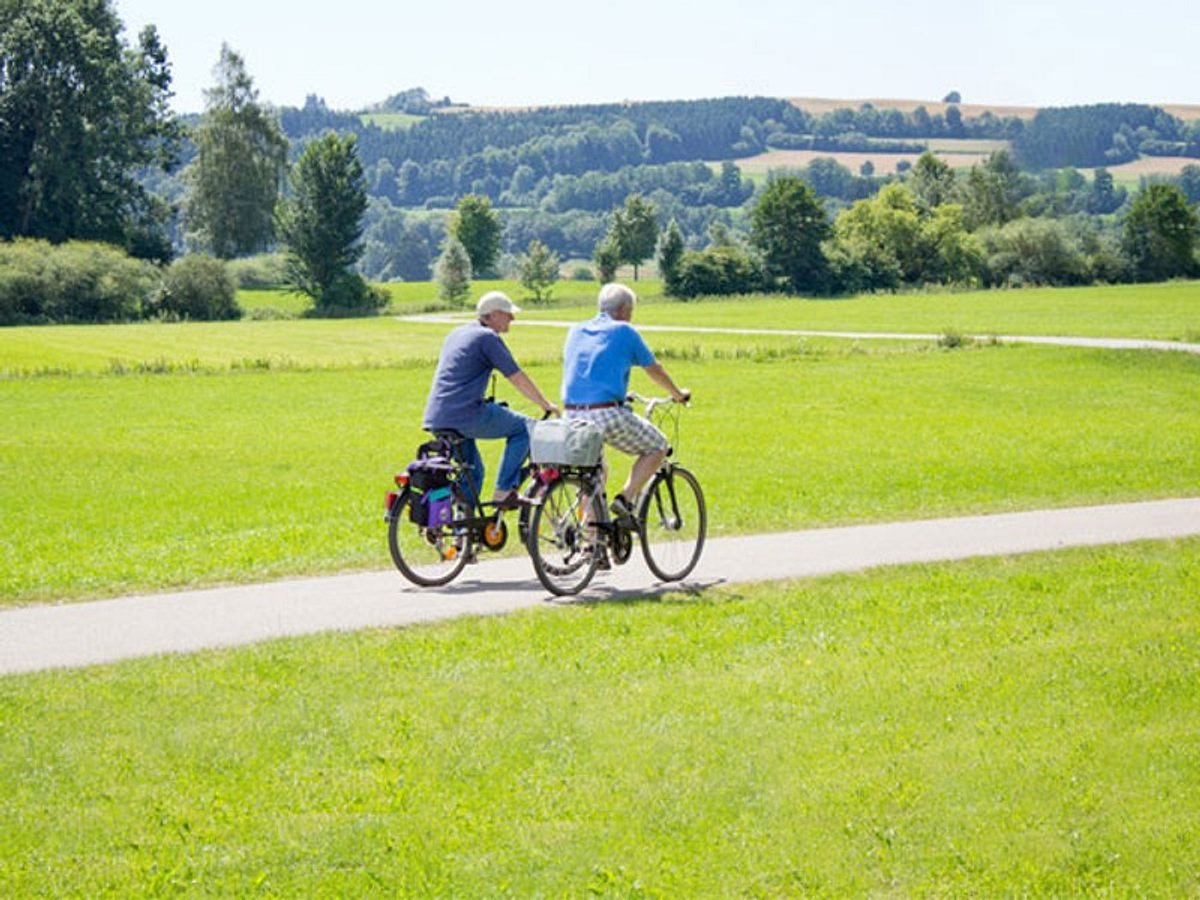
{"x":77,"y":281}
{"x":263,"y":271}
{"x":1034,"y":252}
{"x":718,"y":270}
{"x":197,"y":287}
{"x":348,"y":297}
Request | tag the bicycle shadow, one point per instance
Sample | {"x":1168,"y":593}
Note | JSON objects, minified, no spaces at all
{"x":596,"y":594}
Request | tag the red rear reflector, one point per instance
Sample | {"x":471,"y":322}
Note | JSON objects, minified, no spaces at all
{"x":402,"y":479}
{"x":390,"y":501}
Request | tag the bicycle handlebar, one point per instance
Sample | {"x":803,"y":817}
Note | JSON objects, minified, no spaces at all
{"x":653,"y":403}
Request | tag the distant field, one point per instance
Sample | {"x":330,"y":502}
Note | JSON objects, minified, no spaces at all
{"x":883,"y":162}
{"x":1152,"y":165}
{"x":390,"y":121}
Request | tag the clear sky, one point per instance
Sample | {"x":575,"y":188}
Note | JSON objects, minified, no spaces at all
{"x":356,"y":52}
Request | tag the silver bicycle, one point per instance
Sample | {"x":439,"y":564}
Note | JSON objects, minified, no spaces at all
{"x":571,"y":535}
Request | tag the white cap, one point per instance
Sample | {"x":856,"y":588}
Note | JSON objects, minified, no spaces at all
{"x":495,"y":301}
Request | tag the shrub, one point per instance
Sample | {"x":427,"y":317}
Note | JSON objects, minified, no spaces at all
{"x":348,"y":297}
{"x":263,"y":271}
{"x":717,"y":270}
{"x":1034,"y":252}
{"x":197,"y":287}
{"x":77,"y":281}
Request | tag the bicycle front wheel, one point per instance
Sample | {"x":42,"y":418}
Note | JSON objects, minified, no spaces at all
{"x":563,"y":541}
{"x":674,"y":523}
{"x":429,"y":557}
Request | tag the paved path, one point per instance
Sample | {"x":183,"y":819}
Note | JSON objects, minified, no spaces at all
{"x":70,"y":635}
{"x":1061,"y":341}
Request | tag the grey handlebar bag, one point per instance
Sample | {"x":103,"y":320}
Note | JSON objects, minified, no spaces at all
{"x":565,"y":442}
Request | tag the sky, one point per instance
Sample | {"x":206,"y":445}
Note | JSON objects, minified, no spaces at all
{"x":532,"y":52}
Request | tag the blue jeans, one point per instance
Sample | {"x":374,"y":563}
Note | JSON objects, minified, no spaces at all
{"x":496,"y":421}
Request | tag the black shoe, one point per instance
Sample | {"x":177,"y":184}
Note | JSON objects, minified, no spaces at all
{"x":622,"y":513}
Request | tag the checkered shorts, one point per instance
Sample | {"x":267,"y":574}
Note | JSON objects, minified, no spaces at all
{"x":623,"y":429}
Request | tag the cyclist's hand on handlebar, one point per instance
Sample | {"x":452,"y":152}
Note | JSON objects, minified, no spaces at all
{"x":551,"y":410}
{"x":683,"y":396}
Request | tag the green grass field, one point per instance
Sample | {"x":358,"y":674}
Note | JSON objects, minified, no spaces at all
{"x":1168,"y":311}
{"x":145,"y":481}
{"x":1021,"y":726}
{"x":1008,"y":727}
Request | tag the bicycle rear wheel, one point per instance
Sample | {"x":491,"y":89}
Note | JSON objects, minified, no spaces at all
{"x":674,"y":523}
{"x":562,"y":538}
{"x":429,"y":557}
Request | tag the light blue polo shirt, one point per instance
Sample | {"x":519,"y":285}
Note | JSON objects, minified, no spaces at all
{"x":597,"y":358}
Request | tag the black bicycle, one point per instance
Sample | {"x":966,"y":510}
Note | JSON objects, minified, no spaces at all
{"x":436,"y":521}
{"x":571,"y":535}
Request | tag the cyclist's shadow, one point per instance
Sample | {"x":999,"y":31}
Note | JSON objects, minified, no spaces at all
{"x":653,"y":593}
{"x":595,"y":593}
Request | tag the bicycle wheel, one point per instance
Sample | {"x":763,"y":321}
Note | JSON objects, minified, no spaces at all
{"x":429,"y":557}
{"x":562,"y":543}
{"x":674,"y":522}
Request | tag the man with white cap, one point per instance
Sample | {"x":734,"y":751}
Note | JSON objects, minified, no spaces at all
{"x":456,"y":398}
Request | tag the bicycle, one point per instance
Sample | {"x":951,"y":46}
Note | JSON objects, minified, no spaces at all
{"x":570,"y":533}
{"x":436,"y":521}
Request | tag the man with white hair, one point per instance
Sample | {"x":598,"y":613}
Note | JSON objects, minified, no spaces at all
{"x":456,"y":397}
{"x":597,"y":359}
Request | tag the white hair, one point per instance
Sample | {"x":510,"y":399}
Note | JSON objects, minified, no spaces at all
{"x":614,"y":297}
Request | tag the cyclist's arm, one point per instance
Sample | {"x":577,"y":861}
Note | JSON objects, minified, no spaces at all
{"x":525,"y":385}
{"x":660,"y":377}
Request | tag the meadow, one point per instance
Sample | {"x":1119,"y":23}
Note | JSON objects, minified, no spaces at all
{"x":204,"y":465}
{"x":995,"y":727}
{"x":1009,"y":726}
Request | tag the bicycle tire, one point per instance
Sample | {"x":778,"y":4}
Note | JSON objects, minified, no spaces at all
{"x":673,"y":522}
{"x":428,"y":557}
{"x":564,"y":558}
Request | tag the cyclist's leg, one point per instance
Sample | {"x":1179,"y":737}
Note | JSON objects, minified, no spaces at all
{"x":634,"y":435}
{"x":469,"y":453}
{"x":500,"y":422}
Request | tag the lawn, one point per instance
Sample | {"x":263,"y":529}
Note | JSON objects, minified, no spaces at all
{"x":999,"y":727}
{"x":1168,"y":311}
{"x":146,"y":481}
{"x":422,"y":296}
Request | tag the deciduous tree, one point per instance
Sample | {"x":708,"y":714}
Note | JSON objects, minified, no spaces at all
{"x":80,"y":114}
{"x":241,"y":154}
{"x":1160,"y":234}
{"x":477,"y":227}
{"x":634,"y":230}
{"x":787,"y":226}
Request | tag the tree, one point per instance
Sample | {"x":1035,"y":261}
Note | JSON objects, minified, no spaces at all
{"x":634,"y":230}
{"x":607,"y":257}
{"x":952,"y":97}
{"x":1160,"y":234}
{"x":321,"y":224}
{"x":932,"y":181}
{"x":670,"y":251}
{"x":241,"y":154}
{"x":787,"y":226}
{"x":477,"y":227}
{"x":453,"y":272}
{"x":81,"y":113}
{"x":993,"y":191}
{"x":538,"y":267}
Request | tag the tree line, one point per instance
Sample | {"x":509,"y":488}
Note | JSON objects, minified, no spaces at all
{"x":89,"y":151}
